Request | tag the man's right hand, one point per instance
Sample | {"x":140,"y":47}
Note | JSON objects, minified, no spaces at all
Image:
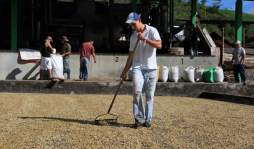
{"x":123,"y":76}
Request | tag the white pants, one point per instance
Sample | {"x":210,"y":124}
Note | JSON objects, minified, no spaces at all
{"x":143,"y":80}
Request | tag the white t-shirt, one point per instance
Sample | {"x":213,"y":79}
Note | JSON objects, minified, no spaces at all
{"x":238,"y":54}
{"x":145,"y":55}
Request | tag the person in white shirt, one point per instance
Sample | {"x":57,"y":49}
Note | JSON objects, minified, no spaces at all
{"x":238,"y":61}
{"x":142,"y":57}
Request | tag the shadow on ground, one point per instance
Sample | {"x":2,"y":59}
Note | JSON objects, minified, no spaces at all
{"x":247,"y":100}
{"x":87,"y":122}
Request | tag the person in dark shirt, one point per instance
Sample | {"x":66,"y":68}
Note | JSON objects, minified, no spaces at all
{"x":66,"y":52}
{"x":46,"y":65}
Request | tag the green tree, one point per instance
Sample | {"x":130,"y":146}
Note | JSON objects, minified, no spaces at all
{"x":203,"y":2}
{"x":203,"y":8}
{"x":186,"y":1}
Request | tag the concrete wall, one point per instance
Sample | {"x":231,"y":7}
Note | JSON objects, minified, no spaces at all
{"x":108,"y":67}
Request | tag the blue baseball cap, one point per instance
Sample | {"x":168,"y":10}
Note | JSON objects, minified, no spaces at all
{"x":133,"y":16}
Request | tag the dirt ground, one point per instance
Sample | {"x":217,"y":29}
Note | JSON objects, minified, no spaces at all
{"x":67,"y":121}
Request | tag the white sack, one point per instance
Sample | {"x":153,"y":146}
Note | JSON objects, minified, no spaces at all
{"x":57,"y":66}
{"x":189,"y":74}
{"x":164,"y":74}
{"x":174,"y":74}
{"x":219,"y":77}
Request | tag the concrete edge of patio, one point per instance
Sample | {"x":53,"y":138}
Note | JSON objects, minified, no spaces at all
{"x":163,"y":89}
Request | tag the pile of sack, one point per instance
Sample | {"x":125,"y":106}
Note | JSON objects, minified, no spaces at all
{"x":190,"y":74}
{"x":210,"y":75}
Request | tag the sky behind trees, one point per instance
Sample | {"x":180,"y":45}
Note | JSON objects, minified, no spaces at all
{"x":248,"y":6}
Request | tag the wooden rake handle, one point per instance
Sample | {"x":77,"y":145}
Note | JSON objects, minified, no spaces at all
{"x":120,"y":84}
{"x":116,"y":93}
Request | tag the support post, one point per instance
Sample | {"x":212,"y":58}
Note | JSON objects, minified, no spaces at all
{"x":171,"y":21}
{"x":165,"y":23}
{"x":244,"y":37}
{"x":222,"y":45}
{"x":238,"y":21}
{"x":194,"y":4}
{"x":134,"y":5}
{"x":194,"y":37}
{"x":14,"y":24}
{"x":110,"y":24}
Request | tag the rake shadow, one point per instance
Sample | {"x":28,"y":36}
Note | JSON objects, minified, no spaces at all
{"x":86,"y":122}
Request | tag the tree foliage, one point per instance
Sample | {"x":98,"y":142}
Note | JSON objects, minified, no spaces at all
{"x":183,"y":9}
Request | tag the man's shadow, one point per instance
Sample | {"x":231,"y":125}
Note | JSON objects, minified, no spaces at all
{"x":87,"y":122}
{"x":53,"y":83}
